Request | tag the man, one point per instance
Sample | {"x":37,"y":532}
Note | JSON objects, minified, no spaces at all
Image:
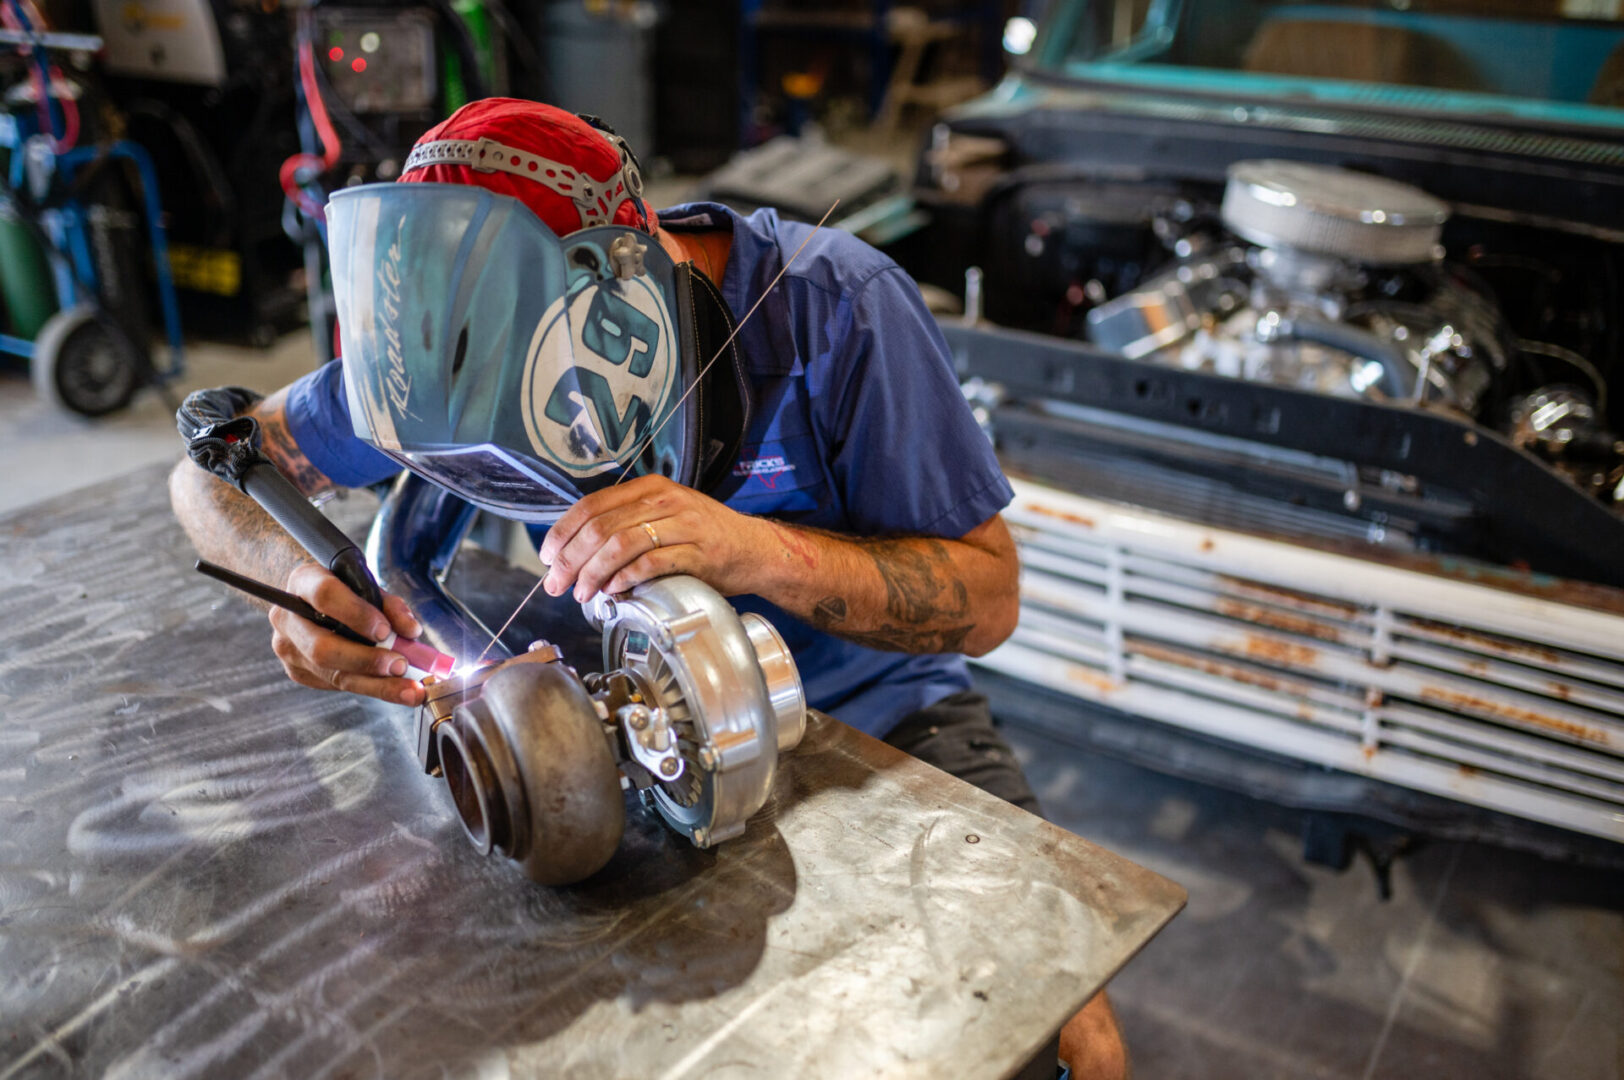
{"x":859,"y":512}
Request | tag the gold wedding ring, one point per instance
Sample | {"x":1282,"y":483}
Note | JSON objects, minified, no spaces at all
{"x":652,"y":535}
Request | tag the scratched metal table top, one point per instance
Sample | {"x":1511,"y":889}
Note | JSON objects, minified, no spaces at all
{"x":208,"y":871}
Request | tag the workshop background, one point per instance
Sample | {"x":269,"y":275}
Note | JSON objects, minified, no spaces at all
{"x":1295,"y":324}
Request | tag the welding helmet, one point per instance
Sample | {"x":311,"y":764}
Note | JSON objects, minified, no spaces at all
{"x":522,"y":366}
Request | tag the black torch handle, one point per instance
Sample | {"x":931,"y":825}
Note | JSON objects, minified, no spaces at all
{"x":264,"y":483}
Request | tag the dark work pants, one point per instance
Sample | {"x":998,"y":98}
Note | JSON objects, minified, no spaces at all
{"x":957,"y":736}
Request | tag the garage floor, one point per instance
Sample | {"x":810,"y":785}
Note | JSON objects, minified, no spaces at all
{"x":1484,"y":964}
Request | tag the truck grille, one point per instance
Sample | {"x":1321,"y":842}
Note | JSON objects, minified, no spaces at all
{"x":1501,"y":690}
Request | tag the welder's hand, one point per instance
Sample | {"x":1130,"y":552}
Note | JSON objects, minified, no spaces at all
{"x":321,"y":659}
{"x":601,"y":544}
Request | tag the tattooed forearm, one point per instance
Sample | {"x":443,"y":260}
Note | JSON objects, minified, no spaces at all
{"x":278,"y":445}
{"x":920,"y":585}
{"x":893,"y":638}
{"x":917,"y":594}
{"x":794,"y":546}
{"x":229,"y":528}
{"x":927,"y":604}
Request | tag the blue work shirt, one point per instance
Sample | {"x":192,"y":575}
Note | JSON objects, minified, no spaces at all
{"x":857,"y":426}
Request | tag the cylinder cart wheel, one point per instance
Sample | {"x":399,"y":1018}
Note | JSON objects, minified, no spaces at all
{"x":83,"y":364}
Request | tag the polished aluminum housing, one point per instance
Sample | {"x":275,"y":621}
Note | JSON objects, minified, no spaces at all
{"x":1323,"y":210}
{"x":729,"y":689}
{"x":726,"y":687}
{"x":783,"y":679}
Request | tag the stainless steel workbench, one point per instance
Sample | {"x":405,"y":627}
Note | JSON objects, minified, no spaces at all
{"x":208,"y":871}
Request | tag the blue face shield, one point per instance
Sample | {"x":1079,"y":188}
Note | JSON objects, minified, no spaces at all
{"x":518,"y":370}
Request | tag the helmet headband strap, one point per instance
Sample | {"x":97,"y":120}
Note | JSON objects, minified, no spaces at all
{"x":595,"y":200}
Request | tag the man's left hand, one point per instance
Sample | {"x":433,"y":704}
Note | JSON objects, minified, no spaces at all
{"x":646,"y":528}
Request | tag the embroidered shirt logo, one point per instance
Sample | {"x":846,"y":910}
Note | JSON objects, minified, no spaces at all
{"x":769,"y":468}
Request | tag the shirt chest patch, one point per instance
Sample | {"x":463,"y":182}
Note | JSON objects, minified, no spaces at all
{"x":778,"y":476}
{"x":768,"y":468}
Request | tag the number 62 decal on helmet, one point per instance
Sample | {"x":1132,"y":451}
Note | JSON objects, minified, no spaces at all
{"x":600,"y":369}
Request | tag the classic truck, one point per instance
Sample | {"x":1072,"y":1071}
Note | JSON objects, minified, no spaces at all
{"x":1295,"y":325}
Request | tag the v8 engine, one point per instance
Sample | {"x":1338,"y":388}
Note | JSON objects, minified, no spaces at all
{"x":1337,"y":282}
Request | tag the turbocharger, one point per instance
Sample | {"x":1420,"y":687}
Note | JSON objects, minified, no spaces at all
{"x":693,"y":706}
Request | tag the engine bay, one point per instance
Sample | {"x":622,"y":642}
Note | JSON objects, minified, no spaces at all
{"x":1336,"y":282}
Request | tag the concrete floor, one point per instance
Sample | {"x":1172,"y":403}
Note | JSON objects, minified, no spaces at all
{"x":1484,"y":964}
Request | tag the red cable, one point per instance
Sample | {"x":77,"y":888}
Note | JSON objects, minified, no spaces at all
{"x":318,"y":108}
{"x":41,"y":106}
{"x":288,"y":174}
{"x":70,"y":117}
{"x":70,"y":108}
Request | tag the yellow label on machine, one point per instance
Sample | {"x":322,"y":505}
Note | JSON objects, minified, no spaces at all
{"x":141,"y":16}
{"x":210,"y":270}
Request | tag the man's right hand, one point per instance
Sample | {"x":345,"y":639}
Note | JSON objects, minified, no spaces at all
{"x":323,"y":660}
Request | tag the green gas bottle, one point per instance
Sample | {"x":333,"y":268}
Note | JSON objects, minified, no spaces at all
{"x":26,"y":287}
